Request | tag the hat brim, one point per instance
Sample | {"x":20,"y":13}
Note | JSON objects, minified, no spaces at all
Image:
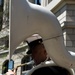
{"x":29,"y":52}
{"x":33,"y":44}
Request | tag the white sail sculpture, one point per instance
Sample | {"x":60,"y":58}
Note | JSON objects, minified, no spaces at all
{"x":26,"y":19}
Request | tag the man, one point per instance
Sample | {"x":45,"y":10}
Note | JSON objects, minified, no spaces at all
{"x":36,"y":49}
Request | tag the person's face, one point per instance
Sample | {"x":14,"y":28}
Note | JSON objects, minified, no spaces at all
{"x":39,"y":54}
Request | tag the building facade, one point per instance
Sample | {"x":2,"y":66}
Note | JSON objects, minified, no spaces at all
{"x":65,"y":13}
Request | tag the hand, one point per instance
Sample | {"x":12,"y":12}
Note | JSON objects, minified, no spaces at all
{"x":10,"y":72}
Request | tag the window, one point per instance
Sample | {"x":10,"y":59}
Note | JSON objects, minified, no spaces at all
{"x":6,"y":44}
{"x":38,"y":2}
{"x":1,"y":2}
{"x":1,"y":13}
{"x":5,"y":67}
{"x":25,"y":60}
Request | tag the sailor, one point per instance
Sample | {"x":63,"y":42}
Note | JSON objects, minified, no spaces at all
{"x":37,"y":49}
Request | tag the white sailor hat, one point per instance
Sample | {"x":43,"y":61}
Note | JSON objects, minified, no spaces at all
{"x":33,"y":41}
